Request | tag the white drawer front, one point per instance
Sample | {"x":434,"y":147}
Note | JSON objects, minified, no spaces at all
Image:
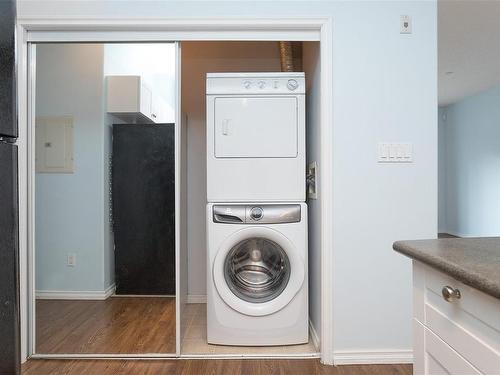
{"x":478,"y":353}
{"x":476,"y":312}
{"x":440,"y":359}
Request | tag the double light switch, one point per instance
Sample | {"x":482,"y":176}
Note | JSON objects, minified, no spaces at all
{"x":395,"y":152}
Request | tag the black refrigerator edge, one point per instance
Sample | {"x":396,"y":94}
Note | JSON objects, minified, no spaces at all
{"x":9,"y":242}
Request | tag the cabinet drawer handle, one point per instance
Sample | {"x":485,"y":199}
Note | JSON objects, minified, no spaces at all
{"x":450,"y":294}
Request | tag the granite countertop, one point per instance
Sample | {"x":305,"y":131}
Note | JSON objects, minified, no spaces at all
{"x":473,"y":261}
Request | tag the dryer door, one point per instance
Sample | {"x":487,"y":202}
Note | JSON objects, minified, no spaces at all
{"x":256,"y":127}
{"x":257,"y":271}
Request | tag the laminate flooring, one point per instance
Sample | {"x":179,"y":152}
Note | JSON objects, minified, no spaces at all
{"x":205,"y":367}
{"x":129,"y":325}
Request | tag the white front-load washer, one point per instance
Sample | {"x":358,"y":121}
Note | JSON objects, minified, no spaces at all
{"x":257,"y":289}
{"x":255,"y":137}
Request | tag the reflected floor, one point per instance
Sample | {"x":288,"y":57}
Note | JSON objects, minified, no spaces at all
{"x":194,"y":321}
{"x":125,"y":325}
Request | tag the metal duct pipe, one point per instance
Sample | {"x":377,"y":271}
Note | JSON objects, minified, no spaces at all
{"x":286,"y":56}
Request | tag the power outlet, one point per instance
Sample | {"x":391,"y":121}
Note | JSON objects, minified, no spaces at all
{"x":71,"y":260}
{"x":312,"y":180}
{"x":405,"y":24}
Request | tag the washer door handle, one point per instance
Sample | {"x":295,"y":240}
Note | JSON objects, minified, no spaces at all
{"x":223,"y":218}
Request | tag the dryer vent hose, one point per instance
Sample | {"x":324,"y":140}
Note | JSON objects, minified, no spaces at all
{"x":291,"y":56}
{"x":286,"y":56}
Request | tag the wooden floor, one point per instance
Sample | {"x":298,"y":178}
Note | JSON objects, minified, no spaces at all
{"x":202,"y":367}
{"x":446,"y":235}
{"x":117,"y":325}
{"x":147,"y":325}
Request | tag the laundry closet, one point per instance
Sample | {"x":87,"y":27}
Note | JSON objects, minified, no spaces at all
{"x":177,"y":213}
{"x":251,"y":136}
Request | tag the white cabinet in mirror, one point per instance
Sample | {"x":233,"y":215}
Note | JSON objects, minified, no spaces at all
{"x":132,"y":100}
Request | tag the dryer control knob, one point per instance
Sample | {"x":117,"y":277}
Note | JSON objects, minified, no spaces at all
{"x":247,"y":84}
{"x":256,"y":213}
{"x":292,"y":84}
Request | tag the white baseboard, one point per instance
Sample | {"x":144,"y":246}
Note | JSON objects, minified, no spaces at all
{"x":143,"y":295}
{"x":98,"y":295}
{"x":196,"y":298}
{"x":372,"y":357}
{"x":314,"y":335}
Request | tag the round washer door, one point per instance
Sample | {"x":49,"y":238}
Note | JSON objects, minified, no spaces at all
{"x":257,"y":271}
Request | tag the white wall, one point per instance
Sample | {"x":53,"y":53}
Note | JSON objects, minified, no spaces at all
{"x":442,"y":185}
{"x":198,"y":58}
{"x":381,"y":94}
{"x":69,"y":217}
{"x":385,"y":89}
{"x":470,"y":176}
{"x":154,"y":62}
{"x":312,"y":69}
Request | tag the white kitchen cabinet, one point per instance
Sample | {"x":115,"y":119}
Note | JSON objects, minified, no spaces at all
{"x":459,"y":335}
{"x":130,"y":99}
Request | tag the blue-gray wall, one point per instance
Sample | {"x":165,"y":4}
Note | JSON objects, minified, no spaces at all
{"x":69,"y":215}
{"x":469,"y":132}
{"x":72,"y":210}
{"x":384,"y":90}
{"x":442,"y":225}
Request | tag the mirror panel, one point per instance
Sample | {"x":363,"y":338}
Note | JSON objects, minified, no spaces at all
{"x":105,"y":198}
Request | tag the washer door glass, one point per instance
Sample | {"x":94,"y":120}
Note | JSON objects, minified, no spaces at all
{"x":257,"y":270}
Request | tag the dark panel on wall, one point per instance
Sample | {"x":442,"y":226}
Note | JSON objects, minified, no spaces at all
{"x":144,"y":208}
{"x":8,"y":121}
{"x":9,"y":284}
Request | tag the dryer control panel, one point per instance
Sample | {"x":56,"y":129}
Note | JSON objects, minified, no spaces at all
{"x":291,"y":83}
{"x":257,"y":214}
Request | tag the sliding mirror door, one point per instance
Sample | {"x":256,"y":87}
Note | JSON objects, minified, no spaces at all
{"x":104,"y":198}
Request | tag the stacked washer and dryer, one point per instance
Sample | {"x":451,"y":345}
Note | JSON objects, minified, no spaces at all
{"x":257,"y":284}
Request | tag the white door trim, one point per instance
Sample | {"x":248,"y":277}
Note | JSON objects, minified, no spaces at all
{"x":92,"y":29}
{"x":326,"y":191}
{"x":178,"y":170}
{"x":79,"y":29}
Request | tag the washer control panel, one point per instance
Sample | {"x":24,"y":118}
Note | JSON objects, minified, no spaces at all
{"x":257,"y":214}
{"x":255,"y":83}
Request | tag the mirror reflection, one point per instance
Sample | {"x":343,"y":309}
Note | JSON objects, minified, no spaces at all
{"x":105,"y":198}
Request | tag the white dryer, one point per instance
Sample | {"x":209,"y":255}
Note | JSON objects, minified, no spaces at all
{"x":257,"y":289}
{"x":255,"y":137}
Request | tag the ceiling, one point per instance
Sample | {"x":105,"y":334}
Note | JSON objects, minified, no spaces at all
{"x":468,"y":47}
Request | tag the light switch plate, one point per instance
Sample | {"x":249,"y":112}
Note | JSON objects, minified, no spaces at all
{"x":71,"y":260}
{"x":395,"y":152}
